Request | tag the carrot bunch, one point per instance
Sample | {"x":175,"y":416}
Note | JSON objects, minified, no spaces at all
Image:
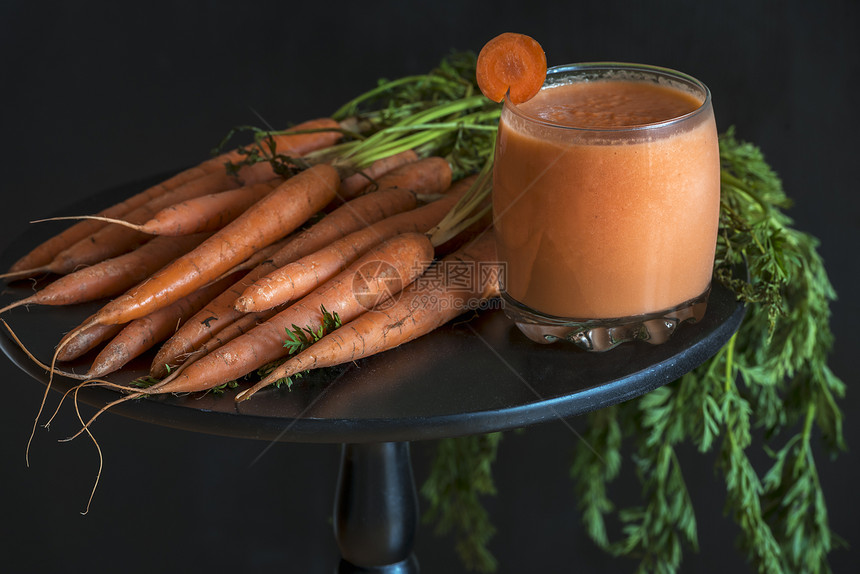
{"x":304,"y":249}
{"x":302,"y":230}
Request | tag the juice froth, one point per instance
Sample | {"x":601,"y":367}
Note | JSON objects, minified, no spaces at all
{"x":604,"y":208}
{"x":609,"y":104}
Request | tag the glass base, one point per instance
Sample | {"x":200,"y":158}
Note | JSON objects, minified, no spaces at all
{"x":604,"y":334}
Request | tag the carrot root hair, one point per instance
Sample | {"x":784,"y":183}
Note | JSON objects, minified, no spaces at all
{"x":103,"y":219}
{"x":85,"y":426}
{"x":51,"y":371}
{"x":39,"y":363}
{"x":98,"y":450}
{"x":25,"y":273}
{"x":15,"y":305}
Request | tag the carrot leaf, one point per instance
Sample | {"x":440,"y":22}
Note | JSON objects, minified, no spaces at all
{"x":392,"y":100}
{"x":300,"y":338}
{"x":220,"y":389}
{"x":461,"y":475}
{"x":144,"y":382}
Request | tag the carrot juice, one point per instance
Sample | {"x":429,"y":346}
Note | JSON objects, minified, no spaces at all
{"x":606,"y":191}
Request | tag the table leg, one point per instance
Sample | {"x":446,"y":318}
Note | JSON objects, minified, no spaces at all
{"x":376,"y":509}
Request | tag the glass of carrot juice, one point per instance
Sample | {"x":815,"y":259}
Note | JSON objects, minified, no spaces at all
{"x":606,"y":198}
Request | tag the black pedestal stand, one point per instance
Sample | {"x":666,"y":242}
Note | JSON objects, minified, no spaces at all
{"x":376,"y":509}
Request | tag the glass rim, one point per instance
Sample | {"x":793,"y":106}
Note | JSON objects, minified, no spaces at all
{"x":620,"y":66}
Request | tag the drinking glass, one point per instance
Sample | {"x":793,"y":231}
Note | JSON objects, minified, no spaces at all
{"x":607,"y":233}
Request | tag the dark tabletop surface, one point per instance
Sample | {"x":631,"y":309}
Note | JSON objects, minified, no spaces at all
{"x":477,"y":374}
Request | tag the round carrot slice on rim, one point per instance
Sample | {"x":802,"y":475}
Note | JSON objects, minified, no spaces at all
{"x":511,"y":62}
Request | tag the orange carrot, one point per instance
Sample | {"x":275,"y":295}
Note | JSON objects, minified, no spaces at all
{"x":270,"y":219}
{"x":73,"y":347}
{"x":141,"y":334}
{"x":240,"y":326}
{"x":300,"y":277}
{"x":421,"y":308}
{"x":214,"y":211}
{"x":213,"y":175}
{"x":112,"y":276}
{"x":347,"y":295}
{"x":114,"y":240}
{"x":45,"y":252}
{"x":207,"y":323}
{"x":204,"y":213}
{"x":395,"y":195}
{"x":217,"y":315}
{"x":511,"y":63}
{"x":209,"y":320}
{"x":260,"y":256}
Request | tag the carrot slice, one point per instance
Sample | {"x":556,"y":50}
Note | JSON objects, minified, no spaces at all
{"x":511,"y":62}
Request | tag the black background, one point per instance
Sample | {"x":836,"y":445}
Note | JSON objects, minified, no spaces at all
{"x":101,"y":93}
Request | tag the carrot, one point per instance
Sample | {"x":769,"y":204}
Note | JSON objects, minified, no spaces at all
{"x":300,"y":277}
{"x":512,"y":64}
{"x":141,"y":334}
{"x":260,"y":256}
{"x":253,"y":349}
{"x":207,"y":323}
{"x":202,"y":265}
{"x":112,"y":276}
{"x":395,"y":195}
{"x":113,"y":240}
{"x":243,"y":324}
{"x":213,"y":211}
{"x":77,"y":343}
{"x":208,"y":177}
{"x":204,"y":213}
{"x":214,"y":317}
{"x":346,"y":295}
{"x":238,"y":327}
{"x":45,"y":252}
{"x":358,"y":182}
{"x":217,"y":315}
{"x":270,"y":219}
{"x":421,"y":308}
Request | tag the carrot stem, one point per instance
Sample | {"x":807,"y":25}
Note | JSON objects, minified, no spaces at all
{"x":419,"y":118}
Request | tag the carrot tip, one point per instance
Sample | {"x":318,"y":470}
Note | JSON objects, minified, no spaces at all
{"x":511,"y":64}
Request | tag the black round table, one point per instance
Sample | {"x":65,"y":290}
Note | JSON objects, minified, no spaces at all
{"x":475,"y":375}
